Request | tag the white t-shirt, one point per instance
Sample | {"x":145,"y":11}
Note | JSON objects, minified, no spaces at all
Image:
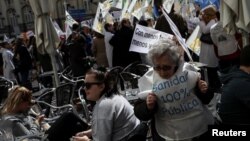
{"x":113,"y":119}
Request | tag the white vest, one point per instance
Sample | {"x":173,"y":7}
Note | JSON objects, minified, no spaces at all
{"x":180,"y":115}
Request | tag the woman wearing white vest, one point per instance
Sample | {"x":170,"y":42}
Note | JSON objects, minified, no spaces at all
{"x":172,"y":95}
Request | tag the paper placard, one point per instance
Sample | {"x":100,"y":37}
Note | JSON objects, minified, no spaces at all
{"x":144,"y":37}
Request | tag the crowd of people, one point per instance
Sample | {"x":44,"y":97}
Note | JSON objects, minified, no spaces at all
{"x":174,"y":96}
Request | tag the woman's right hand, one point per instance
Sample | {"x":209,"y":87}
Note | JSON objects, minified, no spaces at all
{"x":84,"y":133}
{"x":80,"y":134}
{"x":83,"y":138}
{"x":39,"y":119}
{"x":151,"y":101}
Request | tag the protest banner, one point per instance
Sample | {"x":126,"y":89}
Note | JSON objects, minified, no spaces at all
{"x":118,"y":4}
{"x":106,"y":7}
{"x":98,"y":21}
{"x":131,"y":6}
{"x":68,"y":24}
{"x":144,"y":37}
{"x":194,"y":42}
{"x":125,"y":13}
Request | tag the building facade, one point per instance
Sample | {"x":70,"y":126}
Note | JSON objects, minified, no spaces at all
{"x":16,"y":16}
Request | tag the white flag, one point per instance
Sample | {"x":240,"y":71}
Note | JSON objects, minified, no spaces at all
{"x":69,"y":20}
{"x":68,"y":30}
{"x":58,"y":29}
{"x":5,"y":39}
{"x":177,"y":34}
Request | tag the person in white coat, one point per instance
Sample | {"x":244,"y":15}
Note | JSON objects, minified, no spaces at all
{"x":207,"y":51}
{"x":108,"y":34}
{"x":8,"y":65}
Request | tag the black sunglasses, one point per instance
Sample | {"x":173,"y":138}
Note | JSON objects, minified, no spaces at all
{"x":88,"y":85}
{"x":164,"y":68}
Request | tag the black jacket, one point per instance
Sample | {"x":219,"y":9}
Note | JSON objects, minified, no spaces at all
{"x":163,"y":25}
{"x":121,"y":42}
{"x":25,"y":62}
{"x":235,"y":99}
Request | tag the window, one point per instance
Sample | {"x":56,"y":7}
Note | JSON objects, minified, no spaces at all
{"x":9,"y":2}
{"x":27,"y":14}
{"x":1,"y":23}
{"x":12,"y":17}
{"x":60,"y":8}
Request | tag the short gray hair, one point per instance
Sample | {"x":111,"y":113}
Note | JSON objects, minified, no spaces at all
{"x":165,"y":47}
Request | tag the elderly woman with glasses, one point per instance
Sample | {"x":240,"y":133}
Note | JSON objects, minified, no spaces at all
{"x":113,"y":116}
{"x":172,"y":95}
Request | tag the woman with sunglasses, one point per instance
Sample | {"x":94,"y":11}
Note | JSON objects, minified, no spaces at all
{"x":113,"y":116}
{"x":172,"y":95}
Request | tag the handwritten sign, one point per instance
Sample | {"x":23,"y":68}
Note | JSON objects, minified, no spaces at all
{"x":144,"y":37}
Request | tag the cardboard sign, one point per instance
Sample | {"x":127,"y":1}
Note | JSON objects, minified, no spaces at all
{"x":144,"y":37}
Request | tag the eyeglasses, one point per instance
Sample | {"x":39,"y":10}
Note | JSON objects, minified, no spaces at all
{"x":164,"y":68}
{"x":88,"y":85}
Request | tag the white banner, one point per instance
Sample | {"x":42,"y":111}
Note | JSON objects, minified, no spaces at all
{"x":68,"y":30}
{"x":118,"y":4}
{"x":139,"y":12}
{"x":131,"y":6}
{"x":144,"y":9}
{"x":193,"y":41}
{"x":5,"y":39}
{"x":97,"y":25}
{"x":58,"y":29}
{"x":69,"y":20}
{"x":125,"y":13}
{"x":144,"y":37}
{"x":106,"y":7}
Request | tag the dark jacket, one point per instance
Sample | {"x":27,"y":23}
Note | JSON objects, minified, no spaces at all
{"x":121,"y":42}
{"x":163,"y":25}
{"x":25,"y":62}
{"x":235,"y":98}
{"x":77,"y":55}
